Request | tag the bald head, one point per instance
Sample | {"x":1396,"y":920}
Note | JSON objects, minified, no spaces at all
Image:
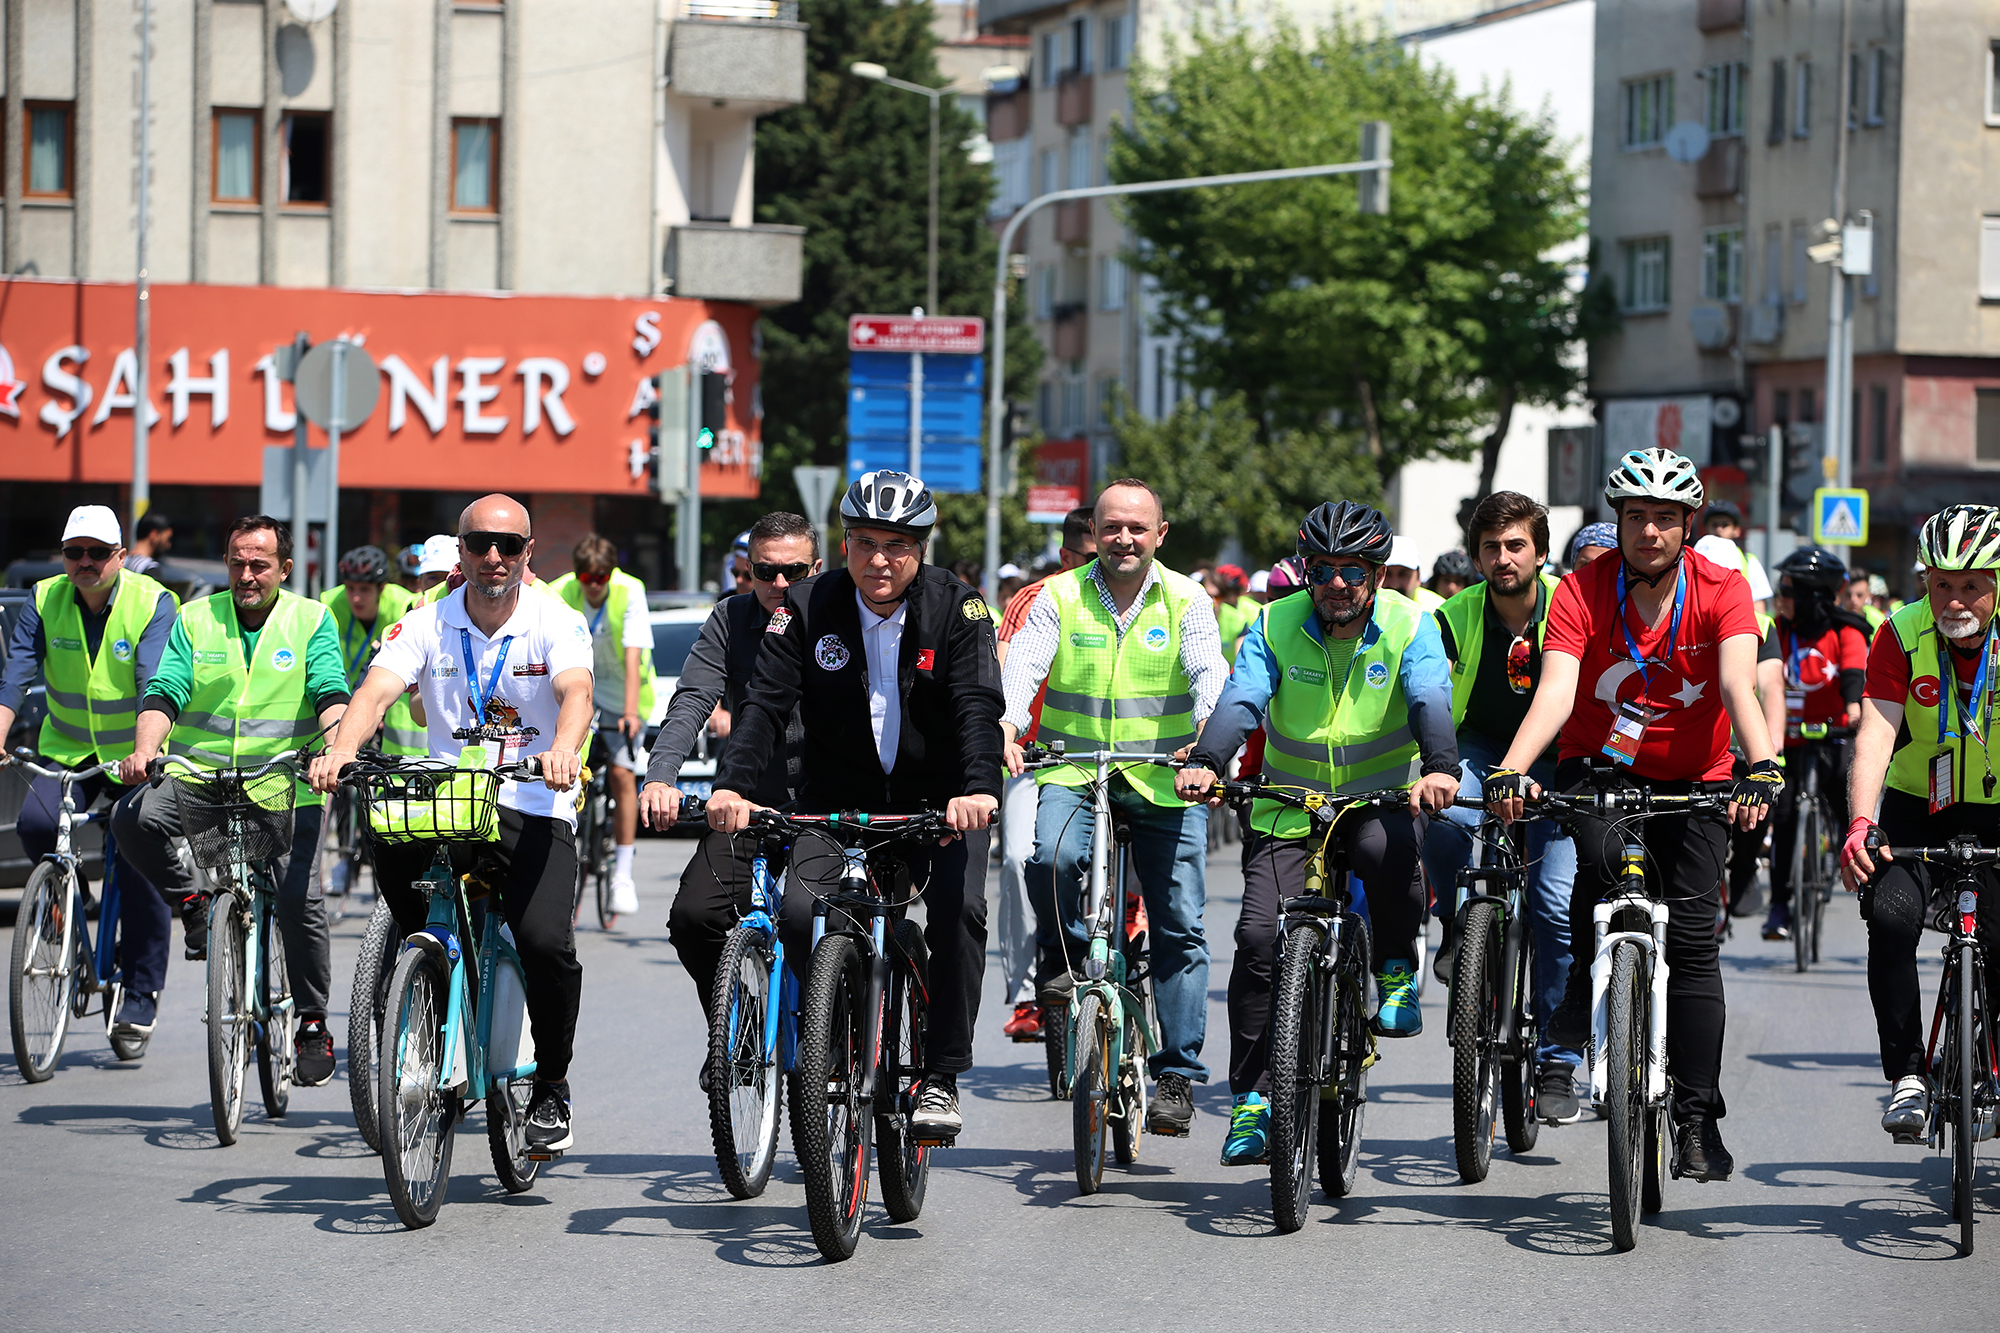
{"x":495,"y":513}
{"x":1130,"y":496}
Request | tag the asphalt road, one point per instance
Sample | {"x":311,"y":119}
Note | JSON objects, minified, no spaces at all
{"x":119,"y":1209}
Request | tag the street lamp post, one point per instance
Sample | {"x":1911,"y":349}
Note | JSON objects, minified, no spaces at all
{"x":868,"y":69}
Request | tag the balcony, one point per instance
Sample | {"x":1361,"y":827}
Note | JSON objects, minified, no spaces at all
{"x":1717,"y":15}
{"x":1007,"y":115}
{"x":1072,"y":333}
{"x":1719,"y":174}
{"x":757,"y":63}
{"x":762,"y":265}
{"x":1013,"y":15}
{"x":1073,"y":98}
{"x":1073,"y":222}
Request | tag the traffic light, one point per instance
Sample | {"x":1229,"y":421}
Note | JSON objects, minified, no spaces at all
{"x":1803,"y":473}
{"x":714,"y":405}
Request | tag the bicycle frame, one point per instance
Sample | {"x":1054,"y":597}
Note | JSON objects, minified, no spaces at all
{"x":1962,"y":949}
{"x":103,"y":950}
{"x":781,"y":1020}
{"x":468,"y":1036}
{"x":255,"y":894}
{"x":858,"y":893}
{"x":1511,"y":905}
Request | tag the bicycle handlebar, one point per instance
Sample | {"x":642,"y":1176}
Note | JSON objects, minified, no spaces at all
{"x":1958,"y":853}
{"x":156,"y":769}
{"x":523,"y":770}
{"x":67,"y":776}
{"x":1036,"y":755}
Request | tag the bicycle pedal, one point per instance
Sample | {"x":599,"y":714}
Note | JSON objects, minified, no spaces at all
{"x":543,"y":1156}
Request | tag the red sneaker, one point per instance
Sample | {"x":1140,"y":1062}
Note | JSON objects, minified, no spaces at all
{"x":1026,"y":1024}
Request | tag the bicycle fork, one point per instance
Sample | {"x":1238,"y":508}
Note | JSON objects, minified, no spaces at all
{"x":1653,"y":971}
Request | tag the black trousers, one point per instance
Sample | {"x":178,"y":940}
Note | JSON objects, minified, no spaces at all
{"x":534,"y":877}
{"x":714,"y":895}
{"x":1896,"y":904}
{"x":1833,"y":762}
{"x":1684,"y":866}
{"x":1382,"y":854}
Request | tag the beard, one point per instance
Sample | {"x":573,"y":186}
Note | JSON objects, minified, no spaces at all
{"x":1343,"y":615}
{"x":1962,"y":626}
{"x":492,"y":594}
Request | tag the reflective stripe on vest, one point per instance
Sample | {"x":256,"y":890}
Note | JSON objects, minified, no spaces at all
{"x":623,"y":587}
{"x":1465,"y":614}
{"x":1910,"y":766}
{"x":93,"y":704}
{"x":244,"y":711}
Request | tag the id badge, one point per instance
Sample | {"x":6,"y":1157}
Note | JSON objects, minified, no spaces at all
{"x":1628,"y":728}
{"x":1795,"y":704}
{"x":475,"y":756}
{"x":1942,"y":794}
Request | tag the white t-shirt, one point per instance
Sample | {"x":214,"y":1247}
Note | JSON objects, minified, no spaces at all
{"x":541,"y":640}
{"x":882,"y":640}
{"x":608,"y":645}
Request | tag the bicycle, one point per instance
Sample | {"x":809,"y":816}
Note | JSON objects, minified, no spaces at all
{"x":56,"y":967}
{"x":238,"y":822}
{"x":343,"y":867}
{"x":447,"y":1039}
{"x":596,"y":844}
{"x":374,"y":966}
{"x":1815,"y":842}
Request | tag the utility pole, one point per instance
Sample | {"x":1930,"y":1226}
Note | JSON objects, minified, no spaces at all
{"x":142,"y":316}
{"x":1838,"y":430}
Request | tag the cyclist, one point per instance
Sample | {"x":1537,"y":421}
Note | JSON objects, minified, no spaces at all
{"x":715,"y":887}
{"x":94,"y":633}
{"x":890,"y":664}
{"x":1350,"y":686}
{"x":437,"y":564}
{"x":1592,"y":540}
{"x":250,"y":672}
{"x":613,"y":604}
{"x":1722,"y":519}
{"x":1131,"y":659}
{"x":1403,"y":573}
{"x":1649,"y":660}
{"x":1492,"y":634}
{"x":516,"y":671}
{"x":408,"y":561}
{"x":365,"y":601}
{"x":1856,"y":595}
{"x":152,"y":537}
{"x":1924,"y":751}
{"x":1824,"y":651}
{"x":1234,"y":610}
{"x":736,"y":570}
{"x":1454,"y":572}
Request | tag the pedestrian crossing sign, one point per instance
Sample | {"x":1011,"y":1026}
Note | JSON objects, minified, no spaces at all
{"x":1840,"y":517}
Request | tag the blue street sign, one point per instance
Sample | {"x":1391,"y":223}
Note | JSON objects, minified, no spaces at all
{"x":1840,"y":517}
{"x":954,"y":407}
{"x":949,"y":469}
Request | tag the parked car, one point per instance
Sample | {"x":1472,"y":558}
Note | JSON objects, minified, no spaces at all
{"x":676,"y":626}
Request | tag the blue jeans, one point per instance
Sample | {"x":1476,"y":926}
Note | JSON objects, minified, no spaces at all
{"x":1170,"y":859}
{"x":1551,"y":857}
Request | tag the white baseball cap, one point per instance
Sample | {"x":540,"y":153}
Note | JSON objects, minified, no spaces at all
{"x":1010,"y":571}
{"x":1260,"y":581}
{"x":1719,"y":549}
{"x":1403,"y":553}
{"x":440,"y":555}
{"x":93,"y":521}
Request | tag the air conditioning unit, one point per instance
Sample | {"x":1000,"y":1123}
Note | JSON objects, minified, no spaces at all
{"x":1714,"y":326}
{"x":1767,"y":323}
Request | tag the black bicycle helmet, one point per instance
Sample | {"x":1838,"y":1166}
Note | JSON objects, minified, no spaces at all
{"x":1454,"y":565}
{"x":1346,"y":527}
{"x":886,"y":499}
{"x":364,"y":564}
{"x":1814,"y":567}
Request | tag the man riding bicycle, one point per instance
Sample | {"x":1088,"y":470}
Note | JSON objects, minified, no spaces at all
{"x":1132,"y":660}
{"x":891,"y":667}
{"x":1663,"y":644}
{"x":248,"y":673}
{"x":1350,"y":686}
{"x":365,"y":603}
{"x":95,"y":633}
{"x":613,"y":604}
{"x":515,"y":671}
{"x":1923,"y":750}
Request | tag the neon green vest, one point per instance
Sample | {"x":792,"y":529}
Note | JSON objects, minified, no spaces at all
{"x":240,"y":713}
{"x":1108,"y":691}
{"x":1465,"y":613}
{"x":1910,"y":766}
{"x":617,"y":597}
{"x":1330,"y":735}
{"x":401,"y":734}
{"x":93,"y":705}
{"x":1233,"y":619}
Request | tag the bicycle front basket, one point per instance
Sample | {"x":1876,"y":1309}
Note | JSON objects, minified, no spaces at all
{"x":433,"y":805}
{"x":229,"y":821}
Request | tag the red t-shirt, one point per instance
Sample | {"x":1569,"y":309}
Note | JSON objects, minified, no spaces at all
{"x":1889,"y":672}
{"x":1814,"y":667}
{"x":1691,"y":742}
{"x":1010,"y":624}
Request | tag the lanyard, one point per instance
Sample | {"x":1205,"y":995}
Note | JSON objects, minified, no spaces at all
{"x":1673,"y":630}
{"x":597,"y":621}
{"x":1982,"y":696}
{"x":480,"y":698}
{"x":1795,"y":660}
{"x":354,"y":656}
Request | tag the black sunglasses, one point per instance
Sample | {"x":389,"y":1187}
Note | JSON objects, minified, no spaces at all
{"x":81,"y":553}
{"x":511,"y":544}
{"x":764,"y":572}
{"x":1352,"y":575}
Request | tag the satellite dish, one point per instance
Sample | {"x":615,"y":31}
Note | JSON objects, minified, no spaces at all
{"x":311,"y":11}
{"x":1725,"y":412}
{"x":1686,"y":142}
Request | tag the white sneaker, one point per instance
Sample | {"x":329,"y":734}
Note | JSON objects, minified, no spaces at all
{"x":624,"y":895}
{"x":1909,"y":1108}
{"x":336,"y":877}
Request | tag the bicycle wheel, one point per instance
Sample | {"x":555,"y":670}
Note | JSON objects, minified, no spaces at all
{"x":905,"y":1164}
{"x":603,"y":847}
{"x":229,"y":1021}
{"x":1055,"y":1044}
{"x":1090,"y":1092}
{"x":1805,"y":894}
{"x":41,"y":980}
{"x":507,"y":1132}
{"x":743,"y":1077}
{"x":1519,"y":1103}
{"x":1964,"y":1124}
{"x":277,"y":1035}
{"x":586,"y":838}
{"x":1659,"y":1142}
{"x":1625,"y":1091}
{"x":1297,"y":1033}
{"x":833,"y":1129}
{"x":1475,"y":1022}
{"x":1128,"y":1118}
{"x":416,"y":1112}
{"x":1340,"y":1125}
{"x":1824,"y":871}
{"x":372,"y":970}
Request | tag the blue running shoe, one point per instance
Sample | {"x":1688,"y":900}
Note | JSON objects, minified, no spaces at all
{"x":1401,"y":1014}
{"x":1249,"y":1141}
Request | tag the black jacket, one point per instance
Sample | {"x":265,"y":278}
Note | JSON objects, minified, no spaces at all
{"x":717,"y":671}
{"x":813,"y":658}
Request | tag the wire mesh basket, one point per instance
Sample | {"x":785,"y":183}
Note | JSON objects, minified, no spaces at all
{"x":229,"y":820}
{"x":432,"y":804}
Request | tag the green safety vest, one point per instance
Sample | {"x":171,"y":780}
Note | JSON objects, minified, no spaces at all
{"x":401,"y":734}
{"x":1910,"y":766}
{"x":240,"y":712}
{"x":1108,"y":691}
{"x":618,"y":595}
{"x":93,"y":704}
{"x":1233,"y":619}
{"x":1336,"y":736}
{"x":1465,"y":613}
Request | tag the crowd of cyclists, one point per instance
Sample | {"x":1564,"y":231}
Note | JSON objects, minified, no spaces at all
{"x":1663,"y":654}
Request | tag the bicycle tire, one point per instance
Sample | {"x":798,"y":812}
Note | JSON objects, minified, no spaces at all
{"x":1963,"y":1160}
{"x":1520,"y":1102}
{"x":833,"y":1157}
{"x":1625,"y":1092}
{"x":507,"y":1132}
{"x":1659,"y":1142}
{"x":904,"y":1163}
{"x":744,"y":1087}
{"x":1353,"y":1046}
{"x":1090,"y":1093}
{"x":603,"y":848}
{"x":277,"y":1035}
{"x":372,"y":972}
{"x":1805,"y":894}
{"x":1823,"y":872}
{"x":1296,"y":1041}
{"x":39,"y":993}
{"x":1128,"y":1125}
{"x":586,"y":837}
{"x":1475,"y":1022}
{"x":228,"y":1017}
{"x":417,"y":1115}
{"x":1055,"y":1042}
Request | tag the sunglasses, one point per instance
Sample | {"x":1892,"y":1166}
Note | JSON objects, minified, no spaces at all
{"x":1518,"y":653}
{"x":1352,"y":575}
{"x":511,"y":544}
{"x":82,"y":553}
{"x":594,"y":580}
{"x":765,"y":572}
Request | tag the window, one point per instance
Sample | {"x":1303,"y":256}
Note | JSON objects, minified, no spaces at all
{"x":1856,"y":89}
{"x":1051,"y":165}
{"x":1877,"y":105}
{"x":1051,"y":63}
{"x":1645,"y":284}
{"x":1011,"y":158}
{"x":236,"y":163}
{"x":1781,"y":407}
{"x":1111,"y":282}
{"x":1117,"y":52}
{"x":1079,"y":158}
{"x":1801,"y":264}
{"x":1989,"y":258}
{"x":306,"y":158}
{"x":50,"y":149}
{"x":1808,"y":410}
{"x":1777,"y":131}
{"x":1725,"y":97}
{"x":1649,"y":110}
{"x":1722,"y":264}
{"x":1878,"y":425}
{"x":1801,"y":98}
{"x":1079,"y":47}
{"x":1986,"y":447}
{"x":1045,"y":407}
{"x":1993,"y":84}
{"x":1774,"y":265}
{"x":1073,"y":399}
{"x":475,"y":166}
{"x":1045,"y":292}
{"x":1105,"y":397}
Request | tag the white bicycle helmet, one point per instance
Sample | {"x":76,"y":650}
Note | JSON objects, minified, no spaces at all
{"x":1654,"y":474}
{"x":886,"y":499}
{"x":1961,"y":537}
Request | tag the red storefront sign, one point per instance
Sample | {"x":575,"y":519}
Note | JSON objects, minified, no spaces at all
{"x":1062,"y":468}
{"x":905,"y":333}
{"x":479,"y":392}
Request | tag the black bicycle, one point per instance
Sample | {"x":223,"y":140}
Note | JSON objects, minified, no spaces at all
{"x":1815,"y":838}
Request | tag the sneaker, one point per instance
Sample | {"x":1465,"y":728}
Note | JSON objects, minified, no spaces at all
{"x":1699,"y":1150}
{"x":1249,"y":1141}
{"x":137,"y":1012}
{"x":548,"y":1118}
{"x":1401,"y":1013}
{"x":336,"y":878}
{"x":936,"y":1116}
{"x":1909,"y":1109}
{"x":1778,"y":925}
{"x":1026,"y":1024}
{"x":624,"y":895}
{"x":194,"y":920}
{"x":1055,"y":992}
{"x":1555,"y":1093}
{"x":1171,"y":1114}
{"x":1569,"y":1025}
{"x":315,"y":1047}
